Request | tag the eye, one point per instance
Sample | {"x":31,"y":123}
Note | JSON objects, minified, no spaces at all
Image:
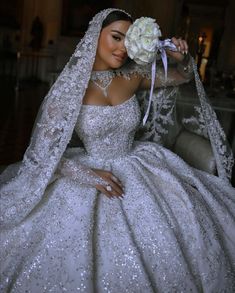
{"x":117,"y":38}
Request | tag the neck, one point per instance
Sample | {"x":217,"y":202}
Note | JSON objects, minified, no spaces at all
{"x":105,"y":71}
{"x":100,"y":66}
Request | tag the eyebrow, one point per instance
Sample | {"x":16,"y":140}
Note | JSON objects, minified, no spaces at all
{"x":115,"y":31}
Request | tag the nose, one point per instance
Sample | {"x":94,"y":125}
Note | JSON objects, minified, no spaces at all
{"x":123,"y":48}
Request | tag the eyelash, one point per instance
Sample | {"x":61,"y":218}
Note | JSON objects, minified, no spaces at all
{"x":117,"y":38}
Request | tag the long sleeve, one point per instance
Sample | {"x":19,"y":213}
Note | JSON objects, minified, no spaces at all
{"x":78,"y":172}
{"x":177,"y":74}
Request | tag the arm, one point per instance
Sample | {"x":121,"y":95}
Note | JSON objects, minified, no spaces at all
{"x":100,"y":179}
{"x":181,"y":73}
{"x":78,"y":172}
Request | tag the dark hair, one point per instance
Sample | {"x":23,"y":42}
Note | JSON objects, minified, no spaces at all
{"x":115,"y":16}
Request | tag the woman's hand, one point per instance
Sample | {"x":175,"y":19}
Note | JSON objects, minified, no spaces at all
{"x":114,"y":186}
{"x":182,"y":47}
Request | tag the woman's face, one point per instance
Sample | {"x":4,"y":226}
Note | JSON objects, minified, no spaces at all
{"x":111,"y":52}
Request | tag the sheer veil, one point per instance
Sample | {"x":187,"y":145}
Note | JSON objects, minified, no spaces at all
{"x":55,"y":124}
{"x":202,"y":121}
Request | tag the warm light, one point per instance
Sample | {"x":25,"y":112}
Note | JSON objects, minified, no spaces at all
{"x":200,"y":39}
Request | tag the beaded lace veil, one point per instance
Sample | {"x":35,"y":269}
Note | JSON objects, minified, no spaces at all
{"x":57,"y":118}
{"x":53,"y":129}
{"x":202,"y":121}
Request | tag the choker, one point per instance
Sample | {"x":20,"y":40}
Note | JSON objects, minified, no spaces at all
{"x":102,"y":79}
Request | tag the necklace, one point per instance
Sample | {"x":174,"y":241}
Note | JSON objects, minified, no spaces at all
{"x":103,"y":79}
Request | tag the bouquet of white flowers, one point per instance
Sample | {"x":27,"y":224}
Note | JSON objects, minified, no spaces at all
{"x":142,"y":40}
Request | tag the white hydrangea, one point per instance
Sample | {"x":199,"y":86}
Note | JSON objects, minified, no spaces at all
{"x":142,"y":39}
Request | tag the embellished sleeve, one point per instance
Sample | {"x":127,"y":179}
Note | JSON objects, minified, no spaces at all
{"x":68,"y":167}
{"x":177,"y":74}
{"x":132,"y":68}
{"x":74,"y":170}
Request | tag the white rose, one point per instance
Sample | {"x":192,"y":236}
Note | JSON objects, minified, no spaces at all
{"x":142,"y":39}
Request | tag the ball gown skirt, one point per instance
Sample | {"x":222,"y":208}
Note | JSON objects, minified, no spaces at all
{"x":174,"y":230}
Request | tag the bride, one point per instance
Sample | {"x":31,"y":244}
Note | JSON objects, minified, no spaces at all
{"x":118,"y":214}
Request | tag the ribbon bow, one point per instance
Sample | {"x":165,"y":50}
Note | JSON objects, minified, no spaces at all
{"x":161,"y":48}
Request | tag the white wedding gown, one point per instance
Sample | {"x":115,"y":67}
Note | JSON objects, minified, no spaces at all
{"x":174,"y":230}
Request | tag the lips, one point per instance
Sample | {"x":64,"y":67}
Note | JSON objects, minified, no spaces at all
{"x":120,"y":57}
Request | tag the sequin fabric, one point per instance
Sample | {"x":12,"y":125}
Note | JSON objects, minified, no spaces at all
{"x":174,"y":230}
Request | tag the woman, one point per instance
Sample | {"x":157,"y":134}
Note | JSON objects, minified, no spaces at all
{"x":168,"y":227}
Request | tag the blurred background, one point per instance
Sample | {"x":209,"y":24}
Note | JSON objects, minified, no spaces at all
{"x":38,"y":36}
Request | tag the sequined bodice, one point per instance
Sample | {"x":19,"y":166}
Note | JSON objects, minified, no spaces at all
{"x":108,"y":131}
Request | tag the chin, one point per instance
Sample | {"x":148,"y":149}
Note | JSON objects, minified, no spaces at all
{"x":116,"y":65}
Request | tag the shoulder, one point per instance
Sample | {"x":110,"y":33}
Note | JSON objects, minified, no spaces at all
{"x":131,"y":70}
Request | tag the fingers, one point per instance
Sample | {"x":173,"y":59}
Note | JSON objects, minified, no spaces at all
{"x":117,"y":183}
{"x":114,"y":184}
{"x":102,"y":189}
{"x":113,"y":188}
{"x":181,"y":45}
{"x":109,"y":192}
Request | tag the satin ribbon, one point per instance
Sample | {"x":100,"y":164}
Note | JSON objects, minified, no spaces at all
{"x":161,"y":48}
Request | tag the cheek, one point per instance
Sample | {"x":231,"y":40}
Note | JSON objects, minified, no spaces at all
{"x":106,"y":44}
